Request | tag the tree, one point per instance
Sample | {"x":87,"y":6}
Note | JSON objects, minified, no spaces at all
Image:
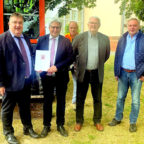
{"x":132,"y":6}
{"x":68,"y":5}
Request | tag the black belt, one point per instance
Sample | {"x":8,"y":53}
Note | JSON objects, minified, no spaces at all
{"x":91,"y":70}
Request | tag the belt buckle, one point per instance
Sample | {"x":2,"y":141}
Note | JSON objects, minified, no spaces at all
{"x":129,"y":71}
{"x":51,"y":75}
{"x":89,"y":70}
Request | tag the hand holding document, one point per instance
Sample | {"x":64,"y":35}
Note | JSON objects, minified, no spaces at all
{"x":42,"y":61}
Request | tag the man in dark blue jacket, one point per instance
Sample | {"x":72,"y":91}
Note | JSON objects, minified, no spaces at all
{"x":16,"y":68}
{"x":129,"y":71}
{"x":61,"y":57}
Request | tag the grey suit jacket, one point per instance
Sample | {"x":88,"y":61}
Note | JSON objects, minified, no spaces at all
{"x":80,"y":49}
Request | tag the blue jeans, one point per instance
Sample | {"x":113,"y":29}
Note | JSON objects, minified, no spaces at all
{"x":125,"y":81}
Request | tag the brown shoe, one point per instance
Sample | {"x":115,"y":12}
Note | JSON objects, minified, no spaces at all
{"x":78,"y":127}
{"x":99,"y":127}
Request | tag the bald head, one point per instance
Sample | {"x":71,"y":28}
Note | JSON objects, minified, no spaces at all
{"x":73,"y":28}
{"x":93,"y":24}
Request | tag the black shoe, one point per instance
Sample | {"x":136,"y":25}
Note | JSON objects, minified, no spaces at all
{"x":11,"y":139}
{"x":62,"y":131}
{"x":45,"y":131}
{"x":133,"y":128}
{"x":114,"y":122}
{"x":31,"y":132}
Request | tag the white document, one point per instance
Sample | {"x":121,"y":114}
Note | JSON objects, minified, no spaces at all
{"x":42,"y":61}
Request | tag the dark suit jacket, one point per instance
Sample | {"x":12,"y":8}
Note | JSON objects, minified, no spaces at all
{"x":64,"y":54}
{"x":12,"y":65}
{"x":80,"y":47}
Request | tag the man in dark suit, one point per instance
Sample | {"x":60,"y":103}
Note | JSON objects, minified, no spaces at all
{"x":61,"y":56}
{"x":91,"y":50}
{"x":16,"y":67}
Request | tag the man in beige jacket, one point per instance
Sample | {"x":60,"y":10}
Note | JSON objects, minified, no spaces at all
{"x":91,"y":50}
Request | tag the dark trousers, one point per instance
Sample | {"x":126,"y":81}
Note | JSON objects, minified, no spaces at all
{"x":91,"y":77}
{"x":9,"y":101}
{"x":49,"y":83}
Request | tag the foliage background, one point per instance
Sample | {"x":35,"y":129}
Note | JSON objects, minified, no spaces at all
{"x":130,"y":7}
{"x":89,"y":135}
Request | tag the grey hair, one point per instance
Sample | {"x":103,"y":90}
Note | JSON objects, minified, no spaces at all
{"x":56,"y":21}
{"x":73,"y":22}
{"x":95,"y":18}
{"x":134,"y":19}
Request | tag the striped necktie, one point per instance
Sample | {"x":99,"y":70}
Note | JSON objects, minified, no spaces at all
{"x":52,"y":52}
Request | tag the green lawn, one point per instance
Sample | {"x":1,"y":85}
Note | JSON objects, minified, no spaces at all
{"x":89,"y":135}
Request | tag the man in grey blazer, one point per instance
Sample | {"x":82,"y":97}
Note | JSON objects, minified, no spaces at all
{"x":91,"y":50}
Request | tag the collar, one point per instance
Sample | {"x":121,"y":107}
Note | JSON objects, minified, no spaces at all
{"x":56,"y":38}
{"x":139,"y":33}
{"x":15,"y":36}
{"x":90,"y":35}
{"x":134,"y":37}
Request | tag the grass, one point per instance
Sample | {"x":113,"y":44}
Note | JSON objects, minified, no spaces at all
{"x":89,"y":135}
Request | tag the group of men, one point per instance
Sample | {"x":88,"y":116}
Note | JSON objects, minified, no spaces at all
{"x":88,"y":52}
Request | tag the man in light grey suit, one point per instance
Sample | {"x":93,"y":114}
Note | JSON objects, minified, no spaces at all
{"x":91,"y":50}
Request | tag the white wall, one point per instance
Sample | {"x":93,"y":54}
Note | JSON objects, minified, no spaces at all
{"x":108,"y":12}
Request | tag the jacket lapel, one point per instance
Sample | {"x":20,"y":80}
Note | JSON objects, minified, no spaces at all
{"x":13,"y":45}
{"x":100,"y":41}
{"x":86,"y":45}
{"x":58,"y":49}
{"x":47,"y":42}
{"x":86,"y":41}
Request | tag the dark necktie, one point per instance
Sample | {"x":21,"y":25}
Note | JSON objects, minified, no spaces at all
{"x":24,"y":54}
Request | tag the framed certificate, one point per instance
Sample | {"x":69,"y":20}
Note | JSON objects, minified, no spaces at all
{"x":42,"y":60}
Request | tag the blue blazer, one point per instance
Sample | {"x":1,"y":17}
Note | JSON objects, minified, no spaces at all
{"x":12,"y":65}
{"x":64,"y":54}
{"x":139,"y":54}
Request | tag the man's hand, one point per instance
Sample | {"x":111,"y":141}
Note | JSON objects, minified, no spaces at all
{"x":2,"y":91}
{"x":116,"y":78}
{"x":39,"y":71}
{"x":141,"y":78}
{"x":52,"y":69}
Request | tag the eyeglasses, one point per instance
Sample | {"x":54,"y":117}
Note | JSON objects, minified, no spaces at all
{"x":17,"y":22}
{"x":55,"y":27}
{"x":94,"y":23}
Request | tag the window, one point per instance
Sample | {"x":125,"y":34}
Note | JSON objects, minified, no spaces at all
{"x":74,"y":15}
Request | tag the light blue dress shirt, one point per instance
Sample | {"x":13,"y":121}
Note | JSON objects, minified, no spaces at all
{"x":128,"y":61}
{"x":26,"y":48}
